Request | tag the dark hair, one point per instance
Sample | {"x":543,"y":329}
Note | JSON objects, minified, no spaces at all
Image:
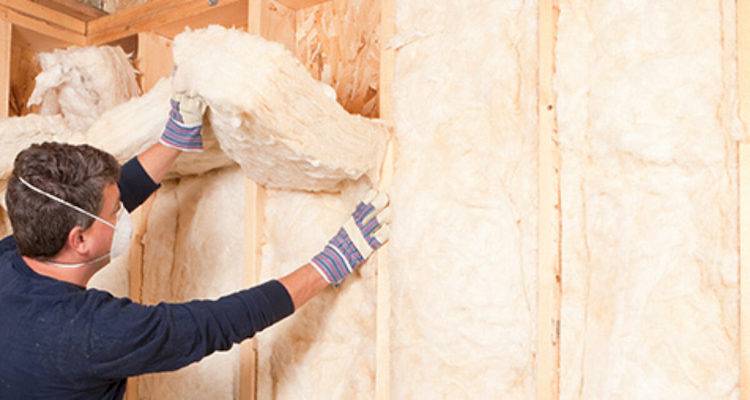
{"x":77,"y":174}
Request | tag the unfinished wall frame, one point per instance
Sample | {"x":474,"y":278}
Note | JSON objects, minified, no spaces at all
{"x":549,"y":267}
{"x":47,"y":21}
{"x":154,"y":61}
{"x":45,"y":27}
{"x":266,"y":20}
{"x":6,"y":32}
{"x":383,"y":311}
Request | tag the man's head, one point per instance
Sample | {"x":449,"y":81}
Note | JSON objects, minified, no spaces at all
{"x":81,"y":175}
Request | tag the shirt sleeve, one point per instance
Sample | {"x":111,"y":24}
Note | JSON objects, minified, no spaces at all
{"x":127,"y":339}
{"x":135,"y":184}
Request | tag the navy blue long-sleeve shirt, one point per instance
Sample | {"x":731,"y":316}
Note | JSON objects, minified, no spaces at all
{"x":62,"y":341}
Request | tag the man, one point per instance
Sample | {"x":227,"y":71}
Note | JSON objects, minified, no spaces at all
{"x":68,"y":206}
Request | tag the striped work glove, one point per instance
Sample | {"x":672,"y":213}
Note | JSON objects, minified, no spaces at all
{"x":363,"y":233}
{"x":183,"y":130}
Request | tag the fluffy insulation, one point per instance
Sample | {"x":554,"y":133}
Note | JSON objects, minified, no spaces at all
{"x":462,"y":256}
{"x":649,"y":199}
{"x":82,"y":82}
{"x":193,"y":250}
{"x":325,"y":350}
{"x":130,"y":128}
{"x":18,"y":133}
{"x":271,"y":116}
{"x":266,"y":113}
{"x":123,"y":131}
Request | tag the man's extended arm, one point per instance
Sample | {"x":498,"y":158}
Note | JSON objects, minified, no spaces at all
{"x":124,"y":339}
{"x":303,"y":284}
{"x":131,"y":339}
{"x":142,"y":175}
{"x":157,"y":160}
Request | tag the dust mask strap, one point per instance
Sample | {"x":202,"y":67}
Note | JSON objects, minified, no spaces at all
{"x":65,"y":203}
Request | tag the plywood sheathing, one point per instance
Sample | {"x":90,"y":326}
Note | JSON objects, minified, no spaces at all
{"x":338,"y":42}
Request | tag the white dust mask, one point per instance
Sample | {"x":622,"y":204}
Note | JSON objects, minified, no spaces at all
{"x":123,"y":228}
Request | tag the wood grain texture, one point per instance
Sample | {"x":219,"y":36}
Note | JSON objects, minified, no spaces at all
{"x":548,"y":318}
{"x":160,"y":14}
{"x":339,"y":43}
{"x":743,"y":77}
{"x":271,"y":21}
{"x":383,"y":322}
{"x":6,"y":29}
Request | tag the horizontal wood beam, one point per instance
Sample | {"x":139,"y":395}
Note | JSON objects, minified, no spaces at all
{"x":42,"y":26}
{"x":74,"y":8}
{"x":229,"y":15}
{"x":78,"y":24}
{"x":49,"y":16}
{"x":300,"y":4}
{"x":150,"y":17}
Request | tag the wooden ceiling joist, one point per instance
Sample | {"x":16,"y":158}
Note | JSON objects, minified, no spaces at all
{"x":79,"y":24}
{"x":149,"y":17}
{"x":43,"y":23}
{"x":73,"y":8}
{"x":53,"y":17}
{"x":232,"y":14}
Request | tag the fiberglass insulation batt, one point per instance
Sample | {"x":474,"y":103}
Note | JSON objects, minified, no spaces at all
{"x":305,"y":355}
{"x":271,"y":116}
{"x":192,"y":250}
{"x":462,"y":256}
{"x":76,"y":86}
{"x":649,"y":199}
{"x":132,"y":127}
{"x":266,"y":114}
{"x":284,"y":131}
{"x":82,"y":82}
{"x":645,"y":111}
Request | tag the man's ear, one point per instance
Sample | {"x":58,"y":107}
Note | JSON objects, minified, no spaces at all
{"x":76,"y":240}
